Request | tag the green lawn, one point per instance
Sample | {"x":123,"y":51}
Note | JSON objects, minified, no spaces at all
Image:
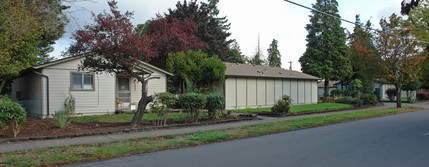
{"x":303,"y":108}
{"x":120,"y":118}
{"x":53,"y":156}
{"x":394,"y":100}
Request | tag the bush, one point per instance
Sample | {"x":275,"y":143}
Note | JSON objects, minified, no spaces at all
{"x":337,"y":92}
{"x":168,"y":99}
{"x":160,"y":106}
{"x":423,"y":96}
{"x":192,"y":103}
{"x":282,"y":105}
{"x":61,"y":119}
{"x":349,"y":100}
{"x":69,"y":104}
{"x":391,"y":93}
{"x":13,"y":113}
{"x":214,"y":103}
{"x":369,"y":98}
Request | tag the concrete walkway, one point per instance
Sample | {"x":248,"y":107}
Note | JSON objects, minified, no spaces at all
{"x":8,"y":147}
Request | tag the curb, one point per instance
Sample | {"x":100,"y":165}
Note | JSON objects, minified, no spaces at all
{"x":131,"y":130}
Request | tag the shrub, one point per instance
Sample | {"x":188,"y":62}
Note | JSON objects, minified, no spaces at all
{"x":369,"y":98}
{"x":282,"y":105}
{"x":13,"y":113}
{"x":356,"y":102}
{"x":192,"y":103}
{"x":61,"y":119}
{"x":423,"y":96}
{"x":168,"y":99}
{"x":69,"y":104}
{"x":214,"y":103}
{"x":349,"y":100}
{"x":337,"y":92}
{"x":160,"y":106}
{"x":391,"y":93}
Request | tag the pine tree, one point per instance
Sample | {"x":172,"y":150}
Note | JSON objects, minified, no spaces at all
{"x":326,"y":55}
{"x":236,"y":55}
{"x":274,"y":57}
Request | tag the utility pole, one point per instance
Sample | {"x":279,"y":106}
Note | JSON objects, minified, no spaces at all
{"x":290,"y":67}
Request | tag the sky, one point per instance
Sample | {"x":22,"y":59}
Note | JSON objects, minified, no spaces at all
{"x":271,"y":19}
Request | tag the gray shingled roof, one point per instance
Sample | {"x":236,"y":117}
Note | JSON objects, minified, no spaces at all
{"x":246,"y":70}
{"x":331,"y":84}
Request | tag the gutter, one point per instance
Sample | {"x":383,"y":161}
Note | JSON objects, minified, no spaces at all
{"x":47,"y":91}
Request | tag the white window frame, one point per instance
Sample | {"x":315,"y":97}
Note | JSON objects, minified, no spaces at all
{"x":82,"y":81}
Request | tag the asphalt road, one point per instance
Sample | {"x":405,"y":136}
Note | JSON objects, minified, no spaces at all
{"x":398,"y":140}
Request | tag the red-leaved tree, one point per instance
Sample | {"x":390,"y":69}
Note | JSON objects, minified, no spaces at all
{"x":171,"y":36}
{"x":111,"y":45}
{"x":397,"y":57}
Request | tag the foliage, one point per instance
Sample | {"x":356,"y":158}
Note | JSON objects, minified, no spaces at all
{"x":326,"y":55}
{"x":211,"y":29}
{"x":70,"y":105}
{"x":282,"y":105}
{"x":423,"y":95}
{"x":341,"y":92}
{"x":424,"y":73}
{"x":391,"y":93}
{"x":196,"y":67}
{"x":356,"y":84}
{"x":112,"y":45}
{"x":159,"y":109}
{"x":398,"y":56}
{"x":413,"y":86}
{"x":27,"y":31}
{"x":11,"y":113}
{"x":349,"y":100}
{"x":369,"y":98}
{"x":214,"y":103}
{"x":192,"y":103}
{"x":236,"y":55}
{"x":274,"y":57}
{"x":257,"y":59}
{"x":171,"y":36}
{"x":61,"y":119}
{"x":169,"y":99}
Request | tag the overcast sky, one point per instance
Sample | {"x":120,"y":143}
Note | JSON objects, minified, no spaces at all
{"x":272,"y":19}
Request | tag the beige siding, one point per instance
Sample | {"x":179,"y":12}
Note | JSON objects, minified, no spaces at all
{"x":154,"y":86}
{"x":241,"y":92}
{"x":270,"y":88}
{"x":286,"y":87}
{"x":308,"y":92}
{"x":251,"y":92}
{"x":97,"y":101}
{"x":231,"y":92}
{"x":278,"y":89}
{"x":301,"y":91}
{"x":294,"y":91}
{"x":260,"y":92}
{"x":314,"y":92}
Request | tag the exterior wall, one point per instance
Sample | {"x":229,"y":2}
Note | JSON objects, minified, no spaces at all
{"x":322,"y":90}
{"x":29,"y":95}
{"x":242,"y":92}
{"x":154,"y":86}
{"x":384,"y":87}
{"x":101,"y":100}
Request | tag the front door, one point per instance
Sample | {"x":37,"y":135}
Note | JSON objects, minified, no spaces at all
{"x":123,"y":92}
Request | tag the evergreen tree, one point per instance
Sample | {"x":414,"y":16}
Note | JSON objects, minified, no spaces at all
{"x":274,"y":57}
{"x":236,"y":55}
{"x":210,"y":29}
{"x":326,"y":55}
{"x":214,"y":12}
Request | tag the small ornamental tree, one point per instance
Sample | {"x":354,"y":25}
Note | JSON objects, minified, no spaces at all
{"x":391,"y":93}
{"x":171,"y":36}
{"x":398,"y":56}
{"x":112,"y":45}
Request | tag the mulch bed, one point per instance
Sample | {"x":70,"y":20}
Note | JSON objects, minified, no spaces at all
{"x":36,"y":129}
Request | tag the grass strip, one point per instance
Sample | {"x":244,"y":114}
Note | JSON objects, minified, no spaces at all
{"x":127,"y":117}
{"x":53,"y":156}
{"x":303,"y":108}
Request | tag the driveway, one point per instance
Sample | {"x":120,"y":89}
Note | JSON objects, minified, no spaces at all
{"x":398,"y":140}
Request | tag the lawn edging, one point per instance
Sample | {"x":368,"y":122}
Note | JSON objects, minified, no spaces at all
{"x":128,"y":130}
{"x":271,"y":114}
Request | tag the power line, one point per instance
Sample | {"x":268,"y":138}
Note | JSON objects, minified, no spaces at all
{"x":351,"y":22}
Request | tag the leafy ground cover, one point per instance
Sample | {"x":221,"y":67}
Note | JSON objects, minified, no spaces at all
{"x":88,"y":152}
{"x":303,"y":108}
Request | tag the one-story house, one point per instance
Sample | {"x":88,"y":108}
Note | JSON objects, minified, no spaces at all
{"x":42,"y":89}
{"x":321,"y":87}
{"x":260,"y":86}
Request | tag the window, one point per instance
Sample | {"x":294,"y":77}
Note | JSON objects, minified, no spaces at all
{"x":81,"y":81}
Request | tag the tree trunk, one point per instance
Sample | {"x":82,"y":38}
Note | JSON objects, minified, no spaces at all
{"x":326,"y":91}
{"x":2,"y":83}
{"x":398,"y":95}
{"x":142,"y":105}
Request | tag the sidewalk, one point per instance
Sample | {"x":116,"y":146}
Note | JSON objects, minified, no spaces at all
{"x":8,"y":147}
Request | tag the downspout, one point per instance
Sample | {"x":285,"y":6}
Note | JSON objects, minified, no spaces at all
{"x":47,"y":91}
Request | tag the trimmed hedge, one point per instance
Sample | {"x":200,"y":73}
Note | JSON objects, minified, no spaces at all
{"x":349,"y":100}
{"x":11,"y":113}
{"x":369,"y":98}
{"x":214,"y":103}
{"x":192,"y":103}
